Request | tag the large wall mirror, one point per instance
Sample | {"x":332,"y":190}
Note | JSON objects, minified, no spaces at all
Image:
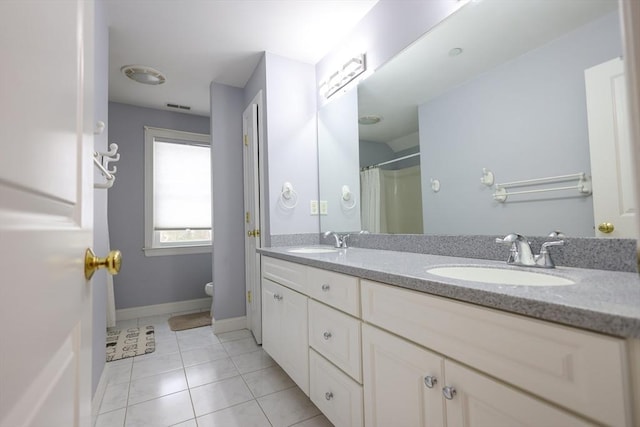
{"x":498,"y":87}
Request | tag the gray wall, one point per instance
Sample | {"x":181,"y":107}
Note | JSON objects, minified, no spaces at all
{"x":292,"y":142}
{"x":100,"y":229}
{"x":487,"y":123}
{"x":147,"y":280}
{"x":227,"y":105}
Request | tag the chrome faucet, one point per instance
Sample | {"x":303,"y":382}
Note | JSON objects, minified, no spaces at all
{"x":341,"y":239}
{"x":520,"y":253}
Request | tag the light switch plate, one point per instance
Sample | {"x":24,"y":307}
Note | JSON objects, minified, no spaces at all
{"x":314,"y":207}
{"x":324,"y":209}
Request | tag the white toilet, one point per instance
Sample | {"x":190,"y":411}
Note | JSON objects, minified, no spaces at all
{"x":208,"y":289}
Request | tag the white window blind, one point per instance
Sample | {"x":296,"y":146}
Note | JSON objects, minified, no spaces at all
{"x":177,"y":180}
{"x":182,"y":186}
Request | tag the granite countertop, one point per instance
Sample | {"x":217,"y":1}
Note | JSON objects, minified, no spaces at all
{"x":600,"y":300}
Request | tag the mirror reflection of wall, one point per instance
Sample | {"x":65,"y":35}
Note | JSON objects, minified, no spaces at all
{"x":338,"y":153}
{"x":498,"y":85}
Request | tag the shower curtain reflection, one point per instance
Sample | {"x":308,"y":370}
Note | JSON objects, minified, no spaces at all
{"x":391,"y":200}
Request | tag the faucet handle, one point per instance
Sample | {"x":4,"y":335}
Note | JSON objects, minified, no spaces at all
{"x":511,"y":238}
{"x":545,"y":245}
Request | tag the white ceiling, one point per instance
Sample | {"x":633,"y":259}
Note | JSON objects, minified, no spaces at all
{"x":195,"y":42}
{"x":490,"y":32}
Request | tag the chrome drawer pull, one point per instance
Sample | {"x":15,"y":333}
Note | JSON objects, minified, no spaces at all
{"x":326,"y":287}
{"x":328,"y":395}
{"x":430,"y":381}
{"x":327,"y":335}
{"x":449,"y":392}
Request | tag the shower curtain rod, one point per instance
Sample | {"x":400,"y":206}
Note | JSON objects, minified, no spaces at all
{"x":392,"y":161}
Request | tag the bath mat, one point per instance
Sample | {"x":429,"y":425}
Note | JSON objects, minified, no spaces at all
{"x":129,"y":342}
{"x":189,"y":321}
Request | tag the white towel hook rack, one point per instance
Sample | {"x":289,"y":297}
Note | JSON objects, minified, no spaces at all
{"x":102,"y":160}
{"x":583,"y":186}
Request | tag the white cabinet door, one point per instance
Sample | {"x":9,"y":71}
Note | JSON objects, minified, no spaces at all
{"x":395,"y":390}
{"x":295,"y":338}
{"x":480,"y":401}
{"x":270,"y":319}
{"x":285,"y":333}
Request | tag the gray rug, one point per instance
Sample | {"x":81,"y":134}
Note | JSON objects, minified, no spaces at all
{"x":129,"y":342}
{"x":189,"y":321}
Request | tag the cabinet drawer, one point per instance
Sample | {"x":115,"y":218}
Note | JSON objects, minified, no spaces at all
{"x":334,"y":393}
{"x":576,"y":369}
{"x":334,"y":289}
{"x":286,"y":273}
{"x":337,"y":337}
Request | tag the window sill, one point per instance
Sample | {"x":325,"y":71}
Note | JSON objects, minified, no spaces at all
{"x":177,"y":250}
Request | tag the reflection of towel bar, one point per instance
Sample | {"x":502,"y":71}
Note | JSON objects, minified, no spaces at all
{"x":583,"y":187}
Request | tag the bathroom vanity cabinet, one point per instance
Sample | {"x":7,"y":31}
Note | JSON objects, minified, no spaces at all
{"x":374,"y":354}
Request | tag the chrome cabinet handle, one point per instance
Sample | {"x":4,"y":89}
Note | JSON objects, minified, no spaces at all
{"x":449,"y":392}
{"x":328,"y":395}
{"x":327,"y":335}
{"x":430,"y":381}
{"x":277,"y":297}
{"x":326,"y":287}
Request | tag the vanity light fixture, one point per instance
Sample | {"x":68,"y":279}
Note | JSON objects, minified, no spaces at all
{"x":344,"y":75}
{"x":143,"y":74}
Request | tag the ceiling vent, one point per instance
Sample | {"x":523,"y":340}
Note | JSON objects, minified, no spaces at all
{"x":179,"y":107}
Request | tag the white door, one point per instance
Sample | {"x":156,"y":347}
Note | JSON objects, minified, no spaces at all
{"x":46,"y":144}
{"x":402,"y":382}
{"x":611,"y":151}
{"x":252,"y":219}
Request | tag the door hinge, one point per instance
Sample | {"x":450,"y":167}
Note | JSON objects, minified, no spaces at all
{"x":247,"y":217}
{"x":249,"y":296}
{"x":246,"y":140}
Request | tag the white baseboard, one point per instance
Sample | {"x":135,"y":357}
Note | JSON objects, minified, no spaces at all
{"x":228,"y":325}
{"x":99,"y":394}
{"x":199,"y":304}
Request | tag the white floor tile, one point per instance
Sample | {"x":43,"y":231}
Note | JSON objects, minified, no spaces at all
{"x":219,"y":395}
{"x":319,"y":421}
{"x":162,"y":412}
{"x":246,"y":414}
{"x":245,"y":345}
{"x":203,"y":355}
{"x":287,"y":407}
{"x":115,"y":397}
{"x":235,"y":335}
{"x":111,"y":419}
{"x":190,"y":342}
{"x":130,"y":323}
{"x":209,"y":372}
{"x":154,"y":365}
{"x":267,"y":381}
{"x":202,"y":332}
{"x":190,"y":423}
{"x":118,"y":374}
{"x":148,"y":388}
{"x":254,"y":361}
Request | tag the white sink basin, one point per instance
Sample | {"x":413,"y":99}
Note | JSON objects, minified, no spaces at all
{"x":500,"y":276}
{"x":312,"y":250}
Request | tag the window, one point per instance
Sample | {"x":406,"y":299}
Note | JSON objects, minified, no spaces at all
{"x":177,"y":192}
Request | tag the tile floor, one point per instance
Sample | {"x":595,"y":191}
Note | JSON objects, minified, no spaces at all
{"x":198,"y":379}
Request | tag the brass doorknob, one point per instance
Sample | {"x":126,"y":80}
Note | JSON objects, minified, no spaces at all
{"x":606,"y":227}
{"x":111,"y":262}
